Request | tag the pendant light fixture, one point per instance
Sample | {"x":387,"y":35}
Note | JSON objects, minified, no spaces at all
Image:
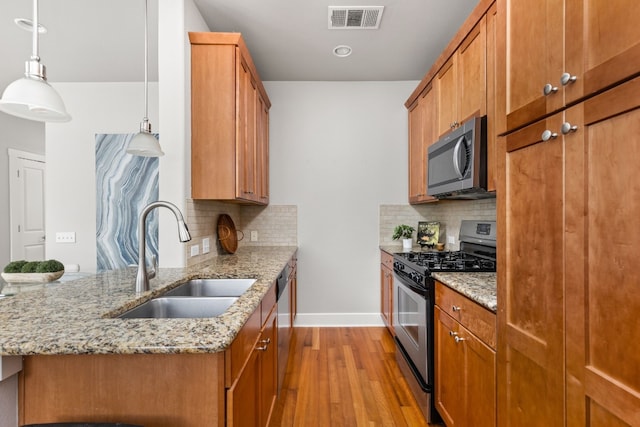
{"x":144,"y":143}
{"x":31,"y":97}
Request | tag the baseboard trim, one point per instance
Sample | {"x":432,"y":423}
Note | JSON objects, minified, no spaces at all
{"x":338,"y":319}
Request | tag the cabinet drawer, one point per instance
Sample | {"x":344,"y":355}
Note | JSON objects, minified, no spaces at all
{"x":386,"y":259}
{"x":471,"y":315}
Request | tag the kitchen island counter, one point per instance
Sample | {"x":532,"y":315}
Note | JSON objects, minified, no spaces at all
{"x":77,"y":317}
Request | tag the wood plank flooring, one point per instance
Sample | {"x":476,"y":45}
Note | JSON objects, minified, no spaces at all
{"x":344,"y":377}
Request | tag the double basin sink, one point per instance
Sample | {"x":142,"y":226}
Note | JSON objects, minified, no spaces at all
{"x":197,"y":298}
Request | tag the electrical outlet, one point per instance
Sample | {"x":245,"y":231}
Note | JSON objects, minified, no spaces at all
{"x":451,"y":240}
{"x":206,"y":246}
{"x":195,"y":250}
{"x":254,"y":235}
{"x":66,"y":237}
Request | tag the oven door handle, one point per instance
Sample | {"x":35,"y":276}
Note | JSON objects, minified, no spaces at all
{"x":413,"y":287}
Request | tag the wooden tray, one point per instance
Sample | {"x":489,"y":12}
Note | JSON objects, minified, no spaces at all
{"x":31,"y":277}
{"x":227,"y":233}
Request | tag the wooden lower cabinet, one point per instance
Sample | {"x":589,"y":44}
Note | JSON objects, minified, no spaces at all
{"x":252,"y":396}
{"x":386,"y":290}
{"x":568,"y":353}
{"x":465,"y":366}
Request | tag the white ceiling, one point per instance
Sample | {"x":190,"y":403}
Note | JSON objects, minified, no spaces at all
{"x":103,"y":40}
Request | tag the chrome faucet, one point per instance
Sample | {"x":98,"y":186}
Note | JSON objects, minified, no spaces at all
{"x":142,"y":279}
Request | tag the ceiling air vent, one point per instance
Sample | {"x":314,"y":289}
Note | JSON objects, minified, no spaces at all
{"x":355,"y":17}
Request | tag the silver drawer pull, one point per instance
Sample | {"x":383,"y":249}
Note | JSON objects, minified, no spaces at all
{"x":547,"y":135}
{"x":549,"y":89}
{"x":455,"y":308}
{"x":458,"y":339}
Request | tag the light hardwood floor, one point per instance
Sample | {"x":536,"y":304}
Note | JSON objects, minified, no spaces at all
{"x":344,"y":377}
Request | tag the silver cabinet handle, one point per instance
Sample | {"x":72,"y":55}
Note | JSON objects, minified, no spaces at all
{"x":547,"y":135}
{"x":455,"y":308}
{"x":452,"y":334}
{"x":549,"y":89}
{"x":568,"y":128}
{"x":265,"y":344}
{"x":458,"y":339}
{"x":567,"y":78}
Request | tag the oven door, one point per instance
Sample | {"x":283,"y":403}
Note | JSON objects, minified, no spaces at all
{"x":411,"y":316}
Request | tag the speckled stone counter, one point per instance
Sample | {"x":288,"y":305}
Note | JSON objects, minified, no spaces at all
{"x":478,"y":287}
{"x":77,"y":317}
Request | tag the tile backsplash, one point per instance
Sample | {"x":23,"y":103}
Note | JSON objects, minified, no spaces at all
{"x":275,"y":225}
{"x":448,"y":212}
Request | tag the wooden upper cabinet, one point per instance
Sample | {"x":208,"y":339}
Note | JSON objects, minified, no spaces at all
{"x":542,"y":74}
{"x":462,"y":81}
{"x":229,"y":121}
{"x":422,"y":133}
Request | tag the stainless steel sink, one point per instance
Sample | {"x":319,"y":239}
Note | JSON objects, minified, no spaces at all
{"x":185,"y":307}
{"x":211,"y":288}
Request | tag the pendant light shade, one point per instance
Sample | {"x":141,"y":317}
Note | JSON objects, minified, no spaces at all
{"x":31,"y":97}
{"x":144,"y":143}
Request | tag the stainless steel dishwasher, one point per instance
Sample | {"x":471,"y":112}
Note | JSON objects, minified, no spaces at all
{"x":284,"y":323}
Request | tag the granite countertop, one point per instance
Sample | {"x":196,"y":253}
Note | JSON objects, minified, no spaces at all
{"x":76,"y":317}
{"x":478,"y":287}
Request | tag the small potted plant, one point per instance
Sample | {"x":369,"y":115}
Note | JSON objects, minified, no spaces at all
{"x":406,"y":232}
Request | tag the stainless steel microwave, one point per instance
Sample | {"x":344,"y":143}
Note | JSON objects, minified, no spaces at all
{"x":457,"y":163}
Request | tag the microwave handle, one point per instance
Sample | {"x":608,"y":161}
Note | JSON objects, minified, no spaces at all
{"x":456,"y":157}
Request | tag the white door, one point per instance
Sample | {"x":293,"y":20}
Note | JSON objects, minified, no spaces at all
{"x":26,"y":202}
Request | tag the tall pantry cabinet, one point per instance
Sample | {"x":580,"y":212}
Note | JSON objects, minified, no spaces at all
{"x":568,"y":203}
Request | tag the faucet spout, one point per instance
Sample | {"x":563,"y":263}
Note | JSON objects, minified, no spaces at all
{"x":142,"y":278}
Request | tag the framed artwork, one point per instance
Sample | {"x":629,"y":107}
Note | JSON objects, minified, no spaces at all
{"x":428,"y":233}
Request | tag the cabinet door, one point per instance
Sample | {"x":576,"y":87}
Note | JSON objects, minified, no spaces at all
{"x":602,"y":45}
{"x":243,"y":403}
{"x":603,"y":231}
{"x":449,"y":371}
{"x":262,"y":151}
{"x":531,"y":276}
{"x":480,"y":381}
{"x":268,"y":346}
{"x":495,"y":114}
{"x":472,"y":74}
{"x":422,"y":133}
{"x":246,"y":142}
{"x":533,"y":57}
{"x":447,"y":84}
{"x":386,"y":296}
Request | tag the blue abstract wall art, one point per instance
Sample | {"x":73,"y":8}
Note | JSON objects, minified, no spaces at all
{"x":125,"y":184}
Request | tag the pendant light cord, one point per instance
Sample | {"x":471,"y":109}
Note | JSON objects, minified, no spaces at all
{"x":146,"y":64}
{"x":34,"y":54}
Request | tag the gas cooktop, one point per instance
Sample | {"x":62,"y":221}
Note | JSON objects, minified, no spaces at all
{"x":432,"y":261}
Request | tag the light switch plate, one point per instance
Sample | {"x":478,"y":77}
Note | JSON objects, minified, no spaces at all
{"x":195,"y":250}
{"x":66,"y":237}
{"x":451,"y":240}
{"x":254,"y":235}
{"x":206,"y":246}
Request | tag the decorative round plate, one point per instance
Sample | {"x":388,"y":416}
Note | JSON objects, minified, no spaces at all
{"x":227,"y":233}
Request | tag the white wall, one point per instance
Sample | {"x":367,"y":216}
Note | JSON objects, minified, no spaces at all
{"x":338,"y":150}
{"x":70,"y":155}
{"x":176,"y":18}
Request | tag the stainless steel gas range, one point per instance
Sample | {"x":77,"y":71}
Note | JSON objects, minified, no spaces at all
{"x":414,"y":299}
